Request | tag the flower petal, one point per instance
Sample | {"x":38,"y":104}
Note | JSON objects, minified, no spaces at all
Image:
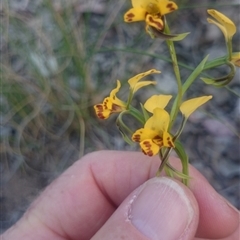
{"x":154,"y":22}
{"x":166,"y":6}
{"x":222,"y":28}
{"x":114,"y":98}
{"x":135,"y":14}
{"x":159,"y":121}
{"x":167,"y":140}
{"x":189,"y":106}
{"x":143,"y":84}
{"x":140,"y":3}
{"x":134,"y":80}
{"x":157,"y":101}
{"x":101,"y":111}
{"x":149,"y":147}
{"x":224,"y":21}
{"x":115,"y":90}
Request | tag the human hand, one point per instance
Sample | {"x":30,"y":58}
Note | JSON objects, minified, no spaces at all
{"x":114,"y":195}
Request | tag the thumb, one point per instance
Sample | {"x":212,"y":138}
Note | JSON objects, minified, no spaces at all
{"x":161,"y":208}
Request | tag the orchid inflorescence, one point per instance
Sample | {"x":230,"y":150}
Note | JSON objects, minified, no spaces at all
{"x":155,"y":135}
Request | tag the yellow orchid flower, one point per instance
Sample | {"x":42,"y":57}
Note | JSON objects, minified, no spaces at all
{"x":223,"y":22}
{"x":189,"y":106}
{"x":228,"y":28}
{"x":154,"y":135}
{"x":110,"y":104}
{"x":134,"y":81}
{"x":150,"y":11}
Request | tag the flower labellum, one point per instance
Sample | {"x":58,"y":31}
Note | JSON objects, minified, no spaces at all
{"x":155,"y":134}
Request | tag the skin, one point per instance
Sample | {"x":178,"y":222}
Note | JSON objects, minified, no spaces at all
{"x":88,"y":199}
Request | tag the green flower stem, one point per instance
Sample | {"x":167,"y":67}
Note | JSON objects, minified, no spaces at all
{"x":215,"y":63}
{"x":198,"y":70}
{"x":130,"y":97}
{"x":193,"y":76}
{"x":185,"y":171}
{"x":168,"y":171}
{"x":173,"y":55}
{"x":184,"y":174}
{"x":233,"y":91}
{"x":180,"y":129}
{"x":136,"y":114}
{"x":121,"y":124}
{"x":161,"y":154}
{"x":180,"y":151}
{"x":229,"y":48}
{"x":133,"y":112}
{"x":164,"y":161}
{"x":123,"y":128}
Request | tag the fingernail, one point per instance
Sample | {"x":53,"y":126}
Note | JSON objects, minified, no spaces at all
{"x":161,"y":210}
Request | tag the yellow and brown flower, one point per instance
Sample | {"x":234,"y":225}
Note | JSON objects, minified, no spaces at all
{"x":150,"y":11}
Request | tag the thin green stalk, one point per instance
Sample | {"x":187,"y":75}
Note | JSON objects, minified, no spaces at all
{"x":215,"y":63}
{"x":173,"y":55}
{"x":182,"y":174}
{"x":193,"y":76}
{"x":122,"y":124}
{"x":232,"y":91}
{"x":164,"y":161}
{"x":229,"y":48}
{"x":179,"y":150}
{"x":184,"y":120}
{"x":135,"y":113}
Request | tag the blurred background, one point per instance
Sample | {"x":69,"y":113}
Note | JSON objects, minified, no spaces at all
{"x":59,"y":58}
